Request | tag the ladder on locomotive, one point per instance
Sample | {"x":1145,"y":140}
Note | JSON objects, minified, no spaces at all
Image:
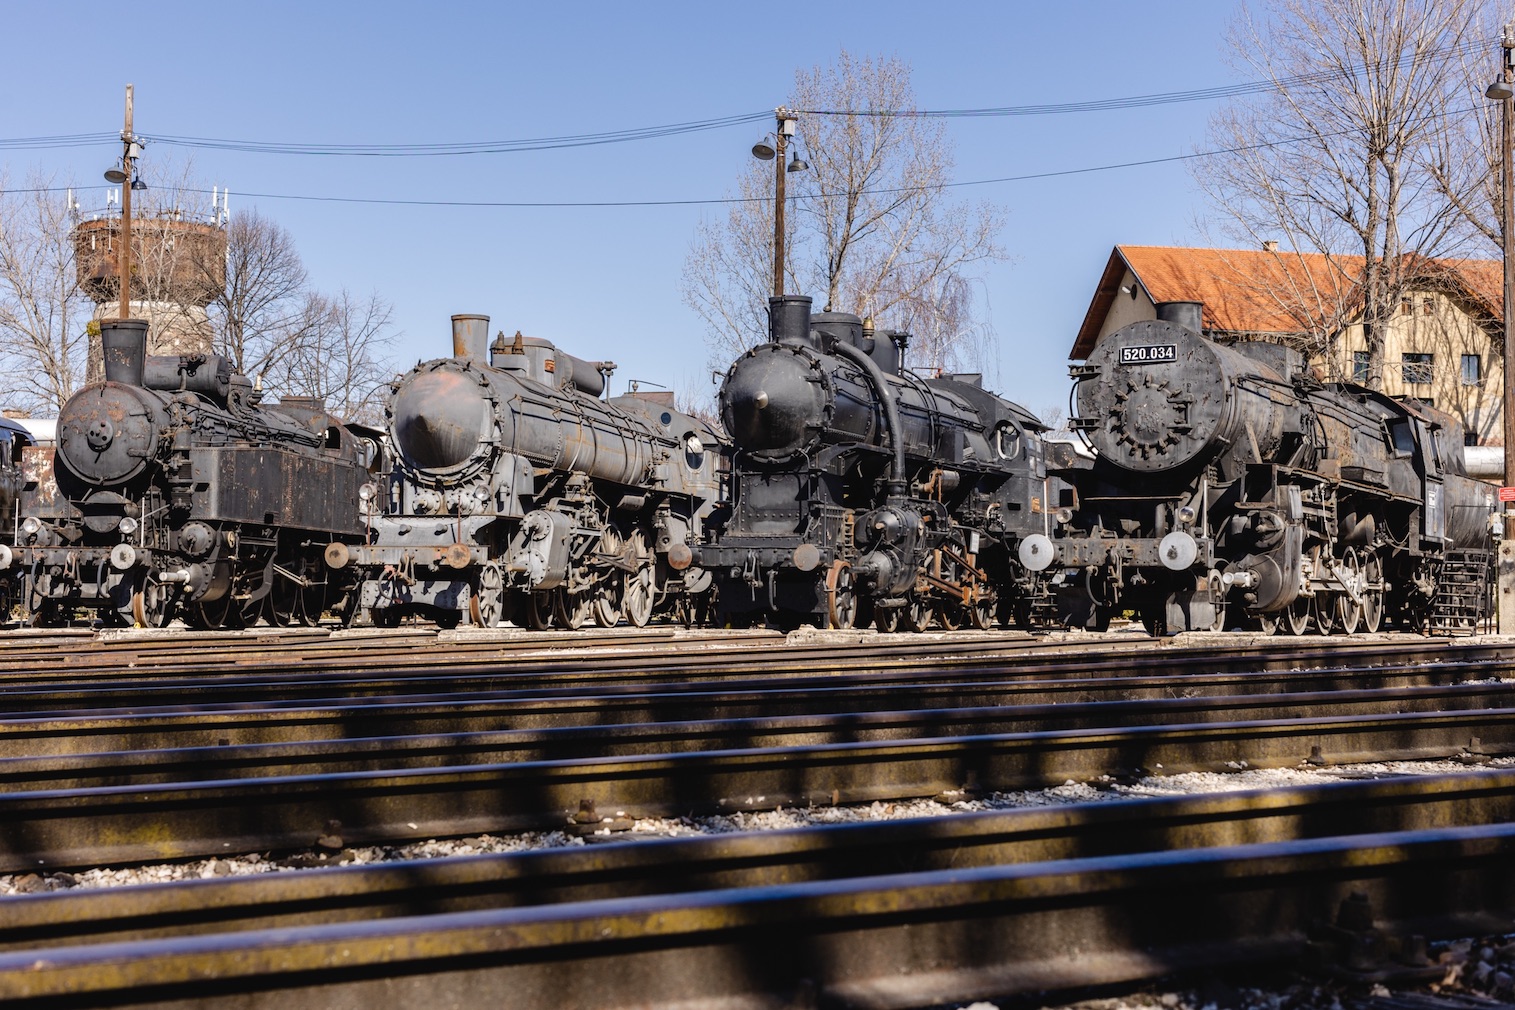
{"x":1462,"y":593}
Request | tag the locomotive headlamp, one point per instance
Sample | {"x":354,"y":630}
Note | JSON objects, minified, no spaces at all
{"x":31,"y":524}
{"x":1064,"y":515}
{"x":1187,"y":515}
{"x":366,"y":493}
{"x":127,"y":525}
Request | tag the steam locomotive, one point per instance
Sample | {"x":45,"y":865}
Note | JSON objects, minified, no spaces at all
{"x":174,"y":488}
{"x":516,"y":489}
{"x":15,"y":439}
{"x":1230,"y":486}
{"x":861,"y":492}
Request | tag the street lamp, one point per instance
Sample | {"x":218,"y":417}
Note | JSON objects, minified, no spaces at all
{"x":1502,"y":91}
{"x":785,"y":120}
{"x":123,"y":175}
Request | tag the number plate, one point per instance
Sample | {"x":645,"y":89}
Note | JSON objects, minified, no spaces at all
{"x":1148,"y":354}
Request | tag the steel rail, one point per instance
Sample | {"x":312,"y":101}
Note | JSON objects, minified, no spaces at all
{"x":876,"y":942}
{"x":216,"y":724}
{"x":133,"y":821}
{"x":148,"y":686}
{"x":641,"y":866}
{"x":87,"y":751}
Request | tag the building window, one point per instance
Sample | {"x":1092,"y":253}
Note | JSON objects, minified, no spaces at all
{"x":1472,"y":370}
{"x":1360,"y":361}
{"x":1406,"y":306}
{"x":1416,"y":368}
{"x":1469,"y":438}
{"x":1426,"y":308}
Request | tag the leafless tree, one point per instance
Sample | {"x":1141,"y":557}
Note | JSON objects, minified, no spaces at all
{"x":260,"y":315}
{"x":872,"y":229}
{"x":43,"y":310}
{"x":1465,"y":162}
{"x":340,"y":356}
{"x":1332,"y":159}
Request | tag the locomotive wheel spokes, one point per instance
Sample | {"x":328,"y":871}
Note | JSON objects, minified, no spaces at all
{"x":486,"y":608}
{"x":1372,"y":593}
{"x":215,"y":615}
{"x":916,"y":615}
{"x":539,"y":610}
{"x":841,"y":597}
{"x":981,"y":613}
{"x":279,"y":607}
{"x":1296,"y":620}
{"x":571,"y":609}
{"x":641,"y":590}
{"x":1267,"y":623}
{"x":610,"y":591}
{"x":887,"y":619}
{"x":1324,"y":610}
{"x":1349,"y":612}
{"x":151,"y":602}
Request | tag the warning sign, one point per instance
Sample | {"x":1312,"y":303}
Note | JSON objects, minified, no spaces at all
{"x":1507,"y":494}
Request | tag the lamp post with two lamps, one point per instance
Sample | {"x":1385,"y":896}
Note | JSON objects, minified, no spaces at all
{"x":785,"y":121}
{"x":124,"y":175}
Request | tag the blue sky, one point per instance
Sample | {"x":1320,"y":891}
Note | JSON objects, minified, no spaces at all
{"x":604,"y":282}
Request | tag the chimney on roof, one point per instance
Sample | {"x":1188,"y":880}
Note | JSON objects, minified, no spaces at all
{"x":1270,"y":245}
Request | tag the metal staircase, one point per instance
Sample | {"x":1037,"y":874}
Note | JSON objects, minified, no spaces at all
{"x":1463,"y":592}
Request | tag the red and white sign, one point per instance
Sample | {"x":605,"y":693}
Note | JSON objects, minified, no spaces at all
{"x":1507,"y":494}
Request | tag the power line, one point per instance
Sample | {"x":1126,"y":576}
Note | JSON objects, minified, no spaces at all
{"x":464,"y":148}
{"x":726,"y":201}
{"x":1144,"y":101}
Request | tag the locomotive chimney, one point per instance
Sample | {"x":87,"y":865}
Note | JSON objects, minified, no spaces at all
{"x":1186,"y":314}
{"x":123,"y":345}
{"x":470,"y":338}
{"x":789,"y":319}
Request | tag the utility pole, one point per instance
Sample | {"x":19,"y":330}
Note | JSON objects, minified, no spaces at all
{"x":1503,"y":91}
{"x":125,"y":265}
{"x":123,"y":176}
{"x":784,"y":126}
{"x":784,"y":129}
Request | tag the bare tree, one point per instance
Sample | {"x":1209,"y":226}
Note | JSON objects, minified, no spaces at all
{"x":1465,"y":162}
{"x":43,"y":310}
{"x":340,"y":356}
{"x":871,"y":231}
{"x":260,"y":315}
{"x":1332,"y":159}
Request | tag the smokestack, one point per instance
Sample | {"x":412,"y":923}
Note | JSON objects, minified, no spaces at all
{"x":1186,"y":314}
{"x":470,"y":338}
{"x":123,"y":345}
{"x":789,"y":319}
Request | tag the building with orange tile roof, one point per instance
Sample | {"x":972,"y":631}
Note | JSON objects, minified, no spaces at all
{"x":1444,"y":344}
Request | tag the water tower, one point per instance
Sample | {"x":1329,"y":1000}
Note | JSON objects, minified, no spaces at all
{"x":178,"y":268}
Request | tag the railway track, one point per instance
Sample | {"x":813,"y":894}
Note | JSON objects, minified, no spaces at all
{"x":902,"y":914}
{"x":298,"y":739}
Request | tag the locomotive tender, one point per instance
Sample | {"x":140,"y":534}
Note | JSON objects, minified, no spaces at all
{"x":1229,"y":485}
{"x":515,"y":487}
{"x":862,"y":492}
{"x":173,"y":488}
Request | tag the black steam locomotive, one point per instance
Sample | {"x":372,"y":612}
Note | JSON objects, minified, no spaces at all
{"x":173,"y":488}
{"x":515,"y":489}
{"x":1230,"y":486}
{"x":15,"y":440}
{"x":861,"y":492}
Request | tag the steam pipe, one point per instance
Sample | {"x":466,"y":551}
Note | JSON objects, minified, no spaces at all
{"x":897,"y":482}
